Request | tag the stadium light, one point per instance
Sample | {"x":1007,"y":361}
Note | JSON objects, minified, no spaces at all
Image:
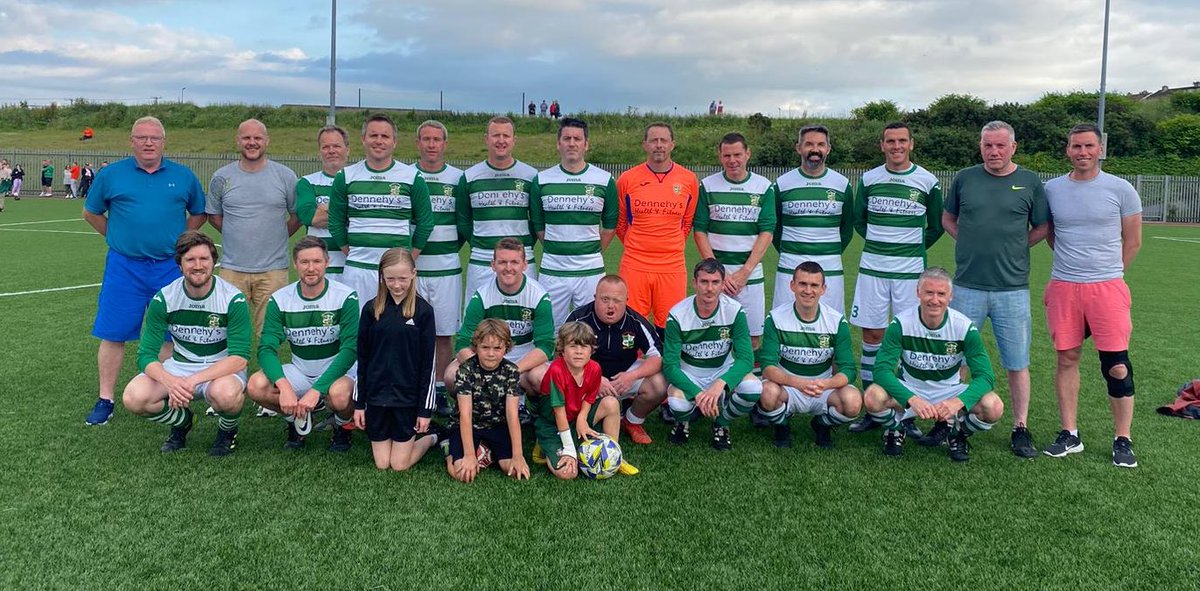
{"x":1103,"y":80}
{"x":331,"y":119}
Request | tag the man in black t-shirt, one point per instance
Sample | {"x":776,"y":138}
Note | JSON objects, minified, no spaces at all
{"x":629,"y":353}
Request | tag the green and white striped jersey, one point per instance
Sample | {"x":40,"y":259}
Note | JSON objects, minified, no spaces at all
{"x":205,"y":330}
{"x":816,"y":220}
{"x":440,"y":255}
{"x":323,"y":333}
{"x":916,"y":358}
{"x":374,"y":210}
{"x":716,"y":346}
{"x":312,"y":191}
{"x":497,"y":206}
{"x":527,"y":313}
{"x":733,"y":214}
{"x":572,"y":209}
{"x":808,"y":349}
{"x":900,"y":216}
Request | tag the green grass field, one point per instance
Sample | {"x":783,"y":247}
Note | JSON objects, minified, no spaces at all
{"x":100,"y":507}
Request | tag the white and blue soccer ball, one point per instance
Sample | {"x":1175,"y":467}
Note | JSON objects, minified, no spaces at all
{"x":599,"y":457}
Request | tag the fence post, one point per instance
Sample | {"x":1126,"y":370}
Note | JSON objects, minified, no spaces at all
{"x":1167,"y":198}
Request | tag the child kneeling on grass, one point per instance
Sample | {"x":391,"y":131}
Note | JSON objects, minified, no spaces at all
{"x":568,"y":409}
{"x":394,"y":398}
{"x":487,"y":391}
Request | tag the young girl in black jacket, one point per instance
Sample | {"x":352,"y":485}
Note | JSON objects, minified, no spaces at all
{"x":395,"y":395}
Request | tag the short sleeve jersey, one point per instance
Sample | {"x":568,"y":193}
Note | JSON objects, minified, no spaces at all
{"x":1087,"y":226}
{"x":255,"y":207}
{"x":571,"y":210}
{"x":565,"y":392}
{"x":733,"y":214}
{"x":815,"y":220}
{"x":147,"y":211}
{"x":994,"y":217}
{"x":489,"y":390}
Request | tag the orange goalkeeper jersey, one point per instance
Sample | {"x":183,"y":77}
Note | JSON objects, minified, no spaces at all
{"x":656,"y":211}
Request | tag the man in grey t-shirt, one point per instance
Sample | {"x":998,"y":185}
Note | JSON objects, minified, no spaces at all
{"x":1096,"y":231}
{"x":252,"y":202}
{"x":1000,"y":208}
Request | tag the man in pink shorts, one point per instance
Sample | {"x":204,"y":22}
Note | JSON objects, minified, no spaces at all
{"x":1096,"y":231}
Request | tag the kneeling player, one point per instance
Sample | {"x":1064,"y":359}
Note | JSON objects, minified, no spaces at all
{"x":486,"y":386}
{"x":569,"y":408}
{"x":210,"y":324}
{"x":707,"y":357}
{"x":804,"y":343}
{"x":319,"y":318}
{"x":917,"y":372}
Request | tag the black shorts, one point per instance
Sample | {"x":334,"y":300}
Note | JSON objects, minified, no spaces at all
{"x":496,"y":439}
{"x":391,"y":423}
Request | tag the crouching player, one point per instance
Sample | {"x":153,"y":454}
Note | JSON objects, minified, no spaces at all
{"x":488,"y":395}
{"x":319,"y":318}
{"x":210,"y":324}
{"x":707,"y":357}
{"x":917,"y":372}
{"x":808,"y":362}
{"x":568,"y":407}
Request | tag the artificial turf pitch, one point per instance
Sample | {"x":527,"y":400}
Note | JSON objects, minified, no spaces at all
{"x":100,"y":507}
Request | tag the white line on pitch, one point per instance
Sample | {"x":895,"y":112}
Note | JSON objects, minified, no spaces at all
{"x":50,"y":231}
{"x":42,"y":222}
{"x":1188,"y":240}
{"x":33,"y":291}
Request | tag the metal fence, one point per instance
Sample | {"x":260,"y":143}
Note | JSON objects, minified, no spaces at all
{"x":1173,"y":199}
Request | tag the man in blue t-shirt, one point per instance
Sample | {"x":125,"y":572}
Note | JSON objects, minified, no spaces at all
{"x":140,"y":205}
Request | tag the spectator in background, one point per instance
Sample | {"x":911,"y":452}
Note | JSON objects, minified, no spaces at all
{"x":712,"y":108}
{"x":555,"y":110}
{"x":18,"y":178}
{"x":532,"y":109}
{"x":720,"y":108}
{"x":47,"y":179}
{"x":88,"y":134}
{"x":544,"y":107}
{"x":5,"y":182}
{"x":86,"y":175}
{"x":68,"y":182}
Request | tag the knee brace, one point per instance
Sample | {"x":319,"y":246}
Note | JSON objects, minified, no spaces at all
{"x":1117,"y":387}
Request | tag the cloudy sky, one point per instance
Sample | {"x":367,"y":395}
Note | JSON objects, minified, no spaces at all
{"x":771,"y":56}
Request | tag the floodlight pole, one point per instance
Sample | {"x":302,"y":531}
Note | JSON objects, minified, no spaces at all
{"x":1103,"y":81}
{"x":331,"y":119}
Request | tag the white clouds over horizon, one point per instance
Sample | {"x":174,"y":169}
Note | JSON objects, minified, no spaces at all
{"x":774,"y":56}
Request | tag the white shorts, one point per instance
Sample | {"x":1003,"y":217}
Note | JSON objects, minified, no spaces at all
{"x":753,"y":301}
{"x":445,"y":294}
{"x":749,"y":384}
{"x":363,"y":281}
{"x":183,"y":370}
{"x":479,"y":275}
{"x":799,"y":404}
{"x":568,"y":293}
{"x":874,"y":295}
{"x":302,"y":383}
{"x":835,"y":291}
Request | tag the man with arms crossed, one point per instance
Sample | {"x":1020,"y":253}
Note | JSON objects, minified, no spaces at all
{"x":628,"y":351}
{"x":920,"y":367}
{"x":439,"y":270}
{"x":496,"y":204}
{"x":376,"y":204}
{"x":140,"y":205}
{"x":312,"y":193}
{"x":252,"y":203}
{"x":574,"y":210}
{"x":815,"y":210}
{"x":319,"y":319}
{"x":707,"y":357}
{"x":734,"y":222}
{"x":1096,"y":231}
{"x":898,"y":212}
{"x":210,"y":323}
{"x":656,"y":208}
{"x":808,"y":361}
{"x":1000,"y":208}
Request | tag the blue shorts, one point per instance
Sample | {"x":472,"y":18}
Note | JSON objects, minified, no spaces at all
{"x":125,"y":292}
{"x":1011,"y":323}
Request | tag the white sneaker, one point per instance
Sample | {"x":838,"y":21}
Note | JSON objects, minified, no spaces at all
{"x":265,"y":412}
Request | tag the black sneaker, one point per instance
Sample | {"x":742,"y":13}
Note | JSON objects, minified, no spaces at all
{"x":224,"y":444}
{"x":1063,"y":445}
{"x":911,"y":429}
{"x":783,"y":436}
{"x":720,"y":438}
{"x":936,"y":436}
{"x":866,"y":423}
{"x":680,"y":433}
{"x":1022,"y":443}
{"x":1123,"y":453}
{"x":294,"y":439}
{"x":960,"y":450}
{"x":822,"y":433}
{"x":340,"y":442}
{"x":178,"y":438}
{"x":893,"y":443}
{"x":758,"y":419}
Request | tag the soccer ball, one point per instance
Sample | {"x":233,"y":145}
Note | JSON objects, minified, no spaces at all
{"x":483,"y":455}
{"x":599,"y":457}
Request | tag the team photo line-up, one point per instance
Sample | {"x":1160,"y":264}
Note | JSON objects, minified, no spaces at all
{"x":380,"y":336}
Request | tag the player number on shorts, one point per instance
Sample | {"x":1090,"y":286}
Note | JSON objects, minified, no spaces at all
{"x":854,"y":311}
